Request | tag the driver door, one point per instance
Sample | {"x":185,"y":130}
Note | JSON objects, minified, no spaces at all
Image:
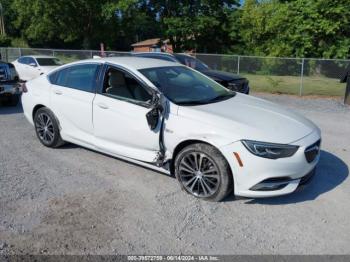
{"x":119,"y":117}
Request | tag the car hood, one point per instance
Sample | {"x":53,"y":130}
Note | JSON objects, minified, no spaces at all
{"x":247,"y":117}
{"x":223,"y":76}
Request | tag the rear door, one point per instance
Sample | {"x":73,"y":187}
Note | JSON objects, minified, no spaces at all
{"x":119,"y":115}
{"x":72,"y":94}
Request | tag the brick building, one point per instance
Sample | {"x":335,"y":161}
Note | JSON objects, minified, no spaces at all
{"x":153,"y":45}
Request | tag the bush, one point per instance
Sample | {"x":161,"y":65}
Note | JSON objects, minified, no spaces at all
{"x":5,"y":41}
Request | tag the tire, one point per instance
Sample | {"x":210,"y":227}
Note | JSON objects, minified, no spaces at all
{"x":13,"y":100}
{"x":213,"y":181}
{"x":47,"y":129}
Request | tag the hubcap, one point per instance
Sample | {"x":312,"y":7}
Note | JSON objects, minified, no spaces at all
{"x":44,"y":128}
{"x":199,"y":174}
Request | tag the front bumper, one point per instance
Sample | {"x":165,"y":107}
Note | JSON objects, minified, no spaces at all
{"x":261,"y":177}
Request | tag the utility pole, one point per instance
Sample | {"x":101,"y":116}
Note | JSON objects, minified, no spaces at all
{"x":2,"y":23}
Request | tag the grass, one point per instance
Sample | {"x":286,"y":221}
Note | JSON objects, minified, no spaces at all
{"x":312,"y":86}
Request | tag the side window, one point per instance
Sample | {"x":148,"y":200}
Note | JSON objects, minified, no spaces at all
{"x":23,"y":60}
{"x":123,"y":85}
{"x":52,"y":77}
{"x":80,"y":77}
{"x":30,"y":60}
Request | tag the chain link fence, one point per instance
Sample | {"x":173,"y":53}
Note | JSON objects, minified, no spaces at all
{"x":295,"y":76}
{"x":66,"y":56}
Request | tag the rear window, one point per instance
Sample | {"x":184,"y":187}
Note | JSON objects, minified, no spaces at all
{"x":49,"y":61}
{"x":80,"y":77}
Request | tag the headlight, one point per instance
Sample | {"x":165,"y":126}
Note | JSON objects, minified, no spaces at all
{"x":268,"y":150}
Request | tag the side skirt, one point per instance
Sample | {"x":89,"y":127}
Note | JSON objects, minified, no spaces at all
{"x":163,"y":169}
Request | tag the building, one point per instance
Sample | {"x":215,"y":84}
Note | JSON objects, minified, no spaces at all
{"x":153,"y":45}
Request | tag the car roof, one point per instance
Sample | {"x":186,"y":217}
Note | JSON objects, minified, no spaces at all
{"x":152,"y":53}
{"x":131,"y":62}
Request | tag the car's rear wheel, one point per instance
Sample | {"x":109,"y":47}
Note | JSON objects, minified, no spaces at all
{"x":13,"y":100}
{"x":10,"y":100}
{"x":47,"y":129}
{"x":203,"y":172}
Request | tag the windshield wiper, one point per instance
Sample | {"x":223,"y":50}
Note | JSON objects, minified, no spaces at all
{"x":221,"y":97}
{"x":208,"y":101}
{"x":192,"y":103}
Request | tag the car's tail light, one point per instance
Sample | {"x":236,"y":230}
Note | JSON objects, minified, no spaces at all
{"x":24,"y":88}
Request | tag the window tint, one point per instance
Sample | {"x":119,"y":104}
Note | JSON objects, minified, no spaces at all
{"x":122,"y":85}
{"x":52,"y":77}
{"x":23,"y":60}
{"x":49,"y":61}
{"x":31,"y":60}
{"x":192,"y":62}
{"x":186,"y":86}
{"x":81,"y":77}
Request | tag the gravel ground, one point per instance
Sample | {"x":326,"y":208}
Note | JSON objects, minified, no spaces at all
{"x":75,"y":201}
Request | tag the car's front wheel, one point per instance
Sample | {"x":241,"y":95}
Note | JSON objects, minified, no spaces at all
{"x":203,"y":172}
{"x":47,"y":129}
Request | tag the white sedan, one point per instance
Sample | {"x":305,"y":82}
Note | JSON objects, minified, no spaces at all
{"x":30,"y":67}
{"x":174,"y":119}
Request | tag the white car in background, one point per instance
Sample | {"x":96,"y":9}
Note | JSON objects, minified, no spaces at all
{"x":29,"y":67}
{"x":171,"y":118}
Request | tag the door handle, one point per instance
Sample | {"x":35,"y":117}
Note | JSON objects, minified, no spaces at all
{"x":103,"y":106}
{"x":58,"y":92}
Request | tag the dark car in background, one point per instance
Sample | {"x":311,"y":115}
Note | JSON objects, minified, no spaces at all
{"x":10,"y":90}
{"x":229,"y":80}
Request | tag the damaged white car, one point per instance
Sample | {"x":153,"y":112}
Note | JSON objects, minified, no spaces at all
{"x":176,"y":120}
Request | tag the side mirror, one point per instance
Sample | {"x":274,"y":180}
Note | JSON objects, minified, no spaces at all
{"x":32,"y":64}
{"x":154,"y":114}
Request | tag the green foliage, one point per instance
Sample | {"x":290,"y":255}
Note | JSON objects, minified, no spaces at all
{"x":19,"y":42}
{"x":5,"y":41}
{"x":60,"y":22}
{"x":301,"y":28}
{"x":201,"y":25}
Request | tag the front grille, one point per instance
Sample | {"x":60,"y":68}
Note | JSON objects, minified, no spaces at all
{"x":238,"y":85}
{"x":312,"y":151}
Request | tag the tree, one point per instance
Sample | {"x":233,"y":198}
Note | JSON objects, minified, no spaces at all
{"x":302,"y":28}
{"x":59,"y":23}
{"x":135,"y":21}
{"x":196,"y":24}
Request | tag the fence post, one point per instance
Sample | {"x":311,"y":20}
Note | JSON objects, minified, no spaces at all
{"x":302,"y":77}
{"x":53,"y":53}
{"x":238,"y":62}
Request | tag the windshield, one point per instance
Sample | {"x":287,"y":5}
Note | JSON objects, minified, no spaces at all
{"x":49,"y":61}
{"x":184,"y":86}
{"x":192,"y":62}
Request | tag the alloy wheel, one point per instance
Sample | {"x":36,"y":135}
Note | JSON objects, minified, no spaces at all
{"x":45,"y":128}
{"x":199,"y":174}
